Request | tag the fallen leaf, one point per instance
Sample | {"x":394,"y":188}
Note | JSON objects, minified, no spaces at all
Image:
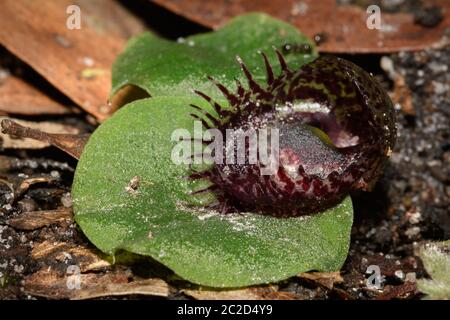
{"x":19,"y":97}
{"x":53,"y":285}
{"x":37,"y":219}
{"x":50,"y":283}
{"x":403,"y":291}
{"x":342,"y":27}
{"x":325,"y":279}
{"x":87,"y":259}
{"x":67,"y":139}
{"x":252,"y":293}
{"x":152,"y":287}
{"x":36,"y":32}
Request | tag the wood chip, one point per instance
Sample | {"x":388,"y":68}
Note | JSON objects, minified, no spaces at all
{"x":31,"y":136}
{"x":343,"y":27}
{"x":36,"y":32}
{"x":19,"y":97}
{"x":37,"y":219}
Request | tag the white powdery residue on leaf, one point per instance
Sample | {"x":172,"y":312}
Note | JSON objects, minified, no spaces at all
{"x":240,"y":223}
{"x":200,"y":212}
{"x":111,"y":207}
{"x":208,"y":215}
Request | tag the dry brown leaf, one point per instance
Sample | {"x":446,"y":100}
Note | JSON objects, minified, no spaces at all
{"x":403,"y":291}
{"x":51,"y":281}
{"x":37,"y":219}
{"x":36,"y":32}
{"x":50,"y":284}
{"x":325,"y":279}
{"x":87,"y":259}
{"x":19,"y":97}
{"x":151,"y":287}
{"x":54,"y":285}
{"x":344,"y":26}
{"x":25,"y":184}
{"x":252,"y":293}
{"x":209,"y":294}
{"x":31,"y":136}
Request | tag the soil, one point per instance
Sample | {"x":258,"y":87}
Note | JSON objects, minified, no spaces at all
{"x":409,"y":206}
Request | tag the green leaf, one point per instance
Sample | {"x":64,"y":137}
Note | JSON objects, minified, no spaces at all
{"x":199,"y":245}
{"x":167,"y":68}
{"x":156,"y":216}
{"x":436,"y":259}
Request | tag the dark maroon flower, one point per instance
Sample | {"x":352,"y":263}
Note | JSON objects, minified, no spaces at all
{"x":336,"y":129}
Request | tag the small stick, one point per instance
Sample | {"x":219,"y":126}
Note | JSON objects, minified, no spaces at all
{"x":72,"y":144}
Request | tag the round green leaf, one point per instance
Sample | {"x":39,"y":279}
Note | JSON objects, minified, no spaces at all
{"x":161,"y":220}
{"x":129,"y":194}
{"x":167,"y":68}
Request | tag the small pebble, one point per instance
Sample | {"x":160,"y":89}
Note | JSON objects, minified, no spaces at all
{"x":55,"y":174}
{"x":18,"y":268}
{"x":412,"y":232}
{"x":414,"y":216}
{"x":399,"y":274}
{"x":66,"y":200}
{"x":23,"y":238}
